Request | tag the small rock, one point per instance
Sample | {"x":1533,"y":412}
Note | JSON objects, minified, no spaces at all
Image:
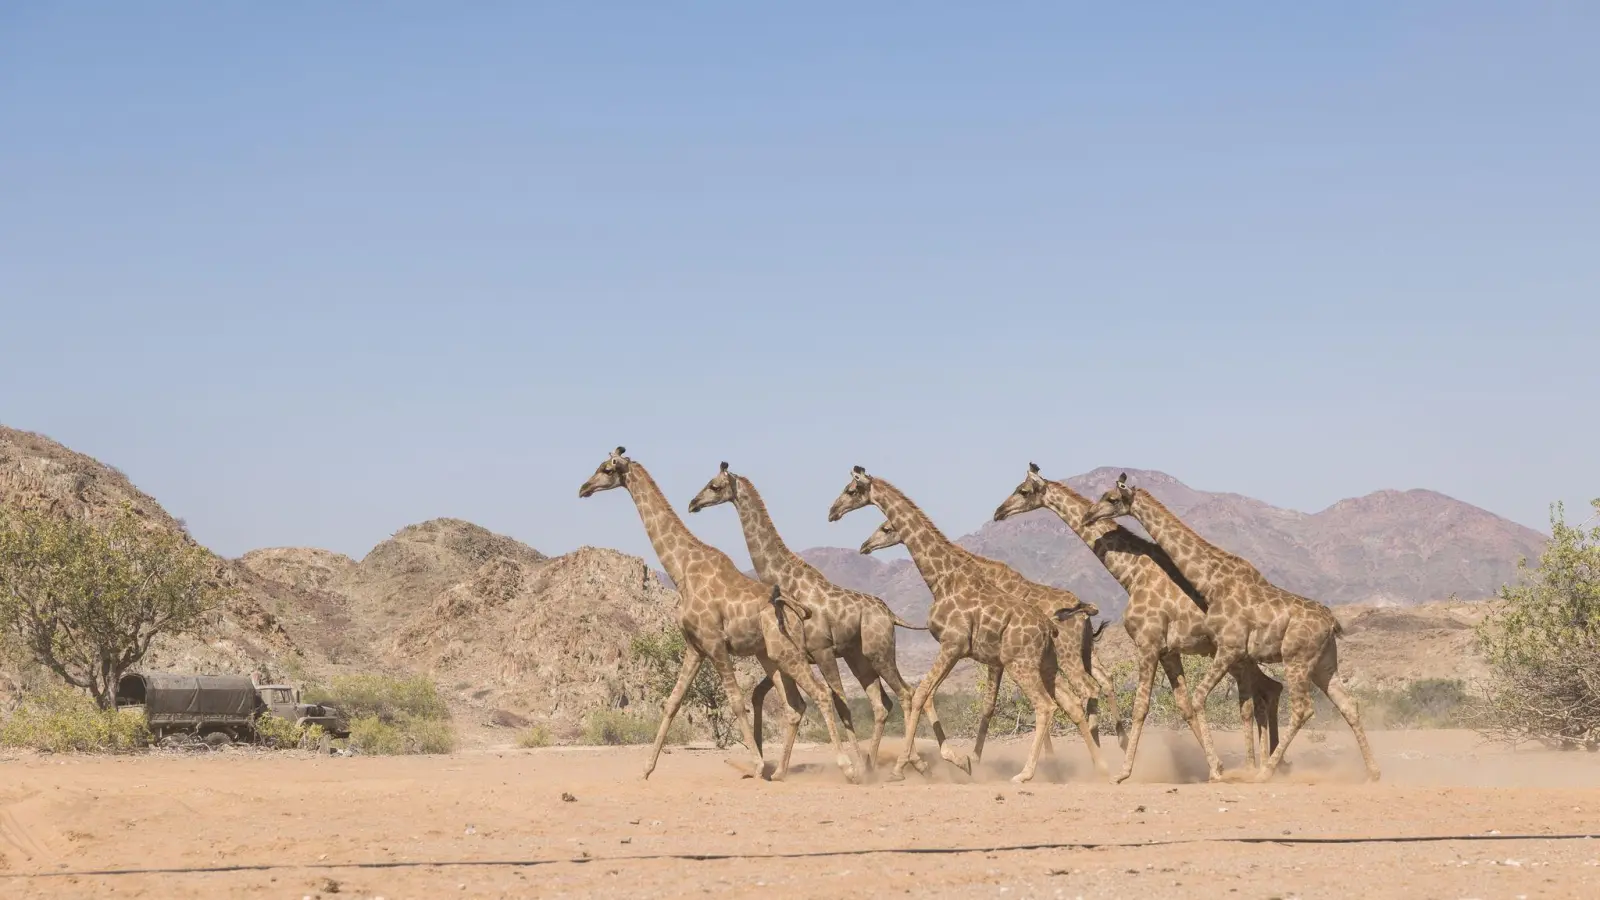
{"x":1138,"y":809}
{"x":567,"y":798}
{"x":1000,"y":796}
{"x":329,"y":886}
{"x":627,"y":840}
{"x":731,"y":831}
{"x":471,"y":830}
{"x":633,"y":821}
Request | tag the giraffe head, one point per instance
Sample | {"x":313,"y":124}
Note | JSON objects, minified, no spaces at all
{"x":856,"y":494}
{"x":722,"y":488}
{"x":1113,"y":503}
{"x":611,"y":473}
{"x":882,"y":537}
{"x":1028,"y":496}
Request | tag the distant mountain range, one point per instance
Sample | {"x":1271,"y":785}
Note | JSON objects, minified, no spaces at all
{"x":1388,"y":548}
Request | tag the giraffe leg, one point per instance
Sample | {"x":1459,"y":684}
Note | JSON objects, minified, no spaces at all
{"x":1172,"y":665}
{"x":1326,"y":676}
{"x":1034,"y":688}
{"x":1249,"y":718}
{"x":996,"y":675}
{"x":877,"y":696}
{"x":730,"y":686}
{"x":942,"y":664}
{"x":1298,"y":675}
{"x":829,"y":666}
{"x":793,"y":663}
{"x":882,"y":660}
{"x":1268,"y":691}
{"x":1259,"y":714}
{"x":758,"y":702}
{"x":1108,"y":692}
{"x":1062,"y":696}
{"x":692,"y":658}
{"x":791,"y":722}
{"x":1224,"y":661}
{"x":1141,"y":710}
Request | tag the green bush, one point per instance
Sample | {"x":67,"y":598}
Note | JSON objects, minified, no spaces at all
{"x":1543,"y":646}
{"x":406,"y":735}
{"x":534,"y":737}
{"x":662,"y":656}
{"x":386,"y":699}
{"x":274,"y":731}
{"x":61,"y":719}
{"x":390,"y":716}
{"x":619,"y":726}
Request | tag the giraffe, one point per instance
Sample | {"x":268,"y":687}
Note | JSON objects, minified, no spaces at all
{"x":1048,"y":600}
{"x":844,"y":624}
{"x":973,"y":617}
{"x":723,"y":612}
{"x":1165,"y":618}
{"x":1249,"y":617}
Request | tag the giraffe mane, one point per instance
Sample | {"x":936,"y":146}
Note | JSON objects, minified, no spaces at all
{"x":927,"y":519}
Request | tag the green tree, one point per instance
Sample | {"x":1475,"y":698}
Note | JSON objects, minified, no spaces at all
{"x":87,"y":601}
{"x":1543,"y":647}
{"x":662,"y":655}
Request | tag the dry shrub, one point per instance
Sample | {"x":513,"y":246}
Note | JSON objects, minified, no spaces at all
{"x":62,"y":719}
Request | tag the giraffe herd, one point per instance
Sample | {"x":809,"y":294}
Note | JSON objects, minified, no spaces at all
{"x":1186,"y":597}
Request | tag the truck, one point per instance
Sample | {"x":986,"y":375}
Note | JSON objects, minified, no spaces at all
{"x":219,"y":708}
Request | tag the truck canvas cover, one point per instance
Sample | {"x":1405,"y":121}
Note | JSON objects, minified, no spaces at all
{"x":221,"y":697}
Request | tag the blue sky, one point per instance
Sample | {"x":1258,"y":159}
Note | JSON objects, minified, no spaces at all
{"x":309,"y":274}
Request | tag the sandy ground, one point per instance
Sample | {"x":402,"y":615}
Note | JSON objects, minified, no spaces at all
{"x":494,"y":824}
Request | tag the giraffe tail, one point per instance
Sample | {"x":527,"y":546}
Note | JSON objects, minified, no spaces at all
{"x":904,"y":624}
{"x":780,"y":601}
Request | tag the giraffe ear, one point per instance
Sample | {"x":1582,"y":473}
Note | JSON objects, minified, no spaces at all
{"x":859,"y":470}
{"x":1034,"y":468}
{"x":1122,"y":480}
{"x":724,"y":466}
{"x":619,"y":451}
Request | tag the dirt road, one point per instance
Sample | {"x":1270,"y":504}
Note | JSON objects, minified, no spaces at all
{"x":494,"y":824}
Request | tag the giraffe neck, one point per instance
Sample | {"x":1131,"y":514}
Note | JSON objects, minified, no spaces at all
{"x":771,"y":556}
{"x":1196,"y":558}
{"x":1104,"y":537}
{"x":935,"y":555}
{"x":671,"y":538}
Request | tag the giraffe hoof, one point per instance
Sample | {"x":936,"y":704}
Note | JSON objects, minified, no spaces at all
{"x":1022,"y":777}
{"x":921,"y":765}
{"x":1120,"y":777}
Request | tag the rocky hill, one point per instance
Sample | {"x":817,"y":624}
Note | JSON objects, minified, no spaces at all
{"x":508,"y":633}
{"x":1394,"y":548}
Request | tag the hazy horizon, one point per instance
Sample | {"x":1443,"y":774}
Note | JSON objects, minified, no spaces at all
{"x":312,"y":275}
